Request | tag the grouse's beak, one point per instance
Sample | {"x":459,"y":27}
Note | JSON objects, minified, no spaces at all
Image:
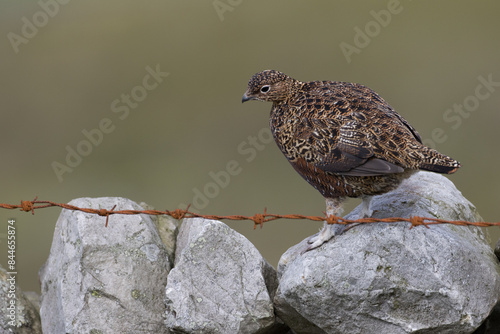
{"x":246,"y":98}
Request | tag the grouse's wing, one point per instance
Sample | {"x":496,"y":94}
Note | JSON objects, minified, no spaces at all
{"x":342,"y":149}
{"x":349,"y":129}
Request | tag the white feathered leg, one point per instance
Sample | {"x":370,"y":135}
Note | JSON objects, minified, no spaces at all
{"x":333,"y":207}
{"x":365,"y":207}
{"x":366,"y":212}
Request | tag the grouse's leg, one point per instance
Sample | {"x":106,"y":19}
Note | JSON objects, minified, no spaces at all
{"x":365,"y":207}
{"x":366,"y":212}
{"x":333,"y":207}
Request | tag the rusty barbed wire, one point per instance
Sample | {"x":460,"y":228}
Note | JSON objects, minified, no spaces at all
{"x":258,"y":218}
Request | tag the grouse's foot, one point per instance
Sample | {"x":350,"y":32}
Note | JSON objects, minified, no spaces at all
{"x":334,"y":207}
{"x":327,"y":232}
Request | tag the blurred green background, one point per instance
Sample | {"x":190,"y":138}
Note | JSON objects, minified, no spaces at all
{"x":77,"y":67}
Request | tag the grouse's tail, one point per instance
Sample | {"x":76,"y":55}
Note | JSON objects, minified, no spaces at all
{"x":437,"y":162}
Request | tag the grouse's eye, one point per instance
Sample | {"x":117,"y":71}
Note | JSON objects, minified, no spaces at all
{"x":265,"y":89}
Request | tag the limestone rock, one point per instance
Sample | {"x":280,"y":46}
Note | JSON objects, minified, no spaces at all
{"x":168,"y":228}
{"x":19,"y":315}
{"x":492,"y":324}
{"x":220,"y":283}
{"x":34,"y":299}
{"x":497,"y":249}
{"x":104,"y":279}
{"x":386,"y":278}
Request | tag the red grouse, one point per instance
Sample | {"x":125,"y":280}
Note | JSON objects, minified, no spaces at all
{"x":344,"y":139}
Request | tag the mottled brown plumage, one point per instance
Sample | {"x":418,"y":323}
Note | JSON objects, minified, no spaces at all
{"x":343,"y":138}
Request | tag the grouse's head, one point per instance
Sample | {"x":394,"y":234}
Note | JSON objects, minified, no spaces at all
{"x":269,"y":85}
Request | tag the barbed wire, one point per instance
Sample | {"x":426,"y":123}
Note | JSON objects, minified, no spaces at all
{"x":258,"y":218}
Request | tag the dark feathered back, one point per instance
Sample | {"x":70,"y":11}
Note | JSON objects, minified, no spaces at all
{"x":340,"y":132}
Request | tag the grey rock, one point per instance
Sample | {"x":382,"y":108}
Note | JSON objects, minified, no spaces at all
{"x":492,"y":324}
{"x":386,"y":278}
{"x":34,"y":298}
{"x":497,"y":249}
{"x":19,"y":315}
{"x":220,"y":283}
{"x":168,"y":228}
{"x":104,"y":279}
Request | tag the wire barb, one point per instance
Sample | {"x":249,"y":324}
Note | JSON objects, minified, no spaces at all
{"x":104,"y":212}
{"x":28,"y":206}
{"x":331,"y":219}
{"x":178,"y":213}
{"x":259,"y":219}
{"x":417,"y":220}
